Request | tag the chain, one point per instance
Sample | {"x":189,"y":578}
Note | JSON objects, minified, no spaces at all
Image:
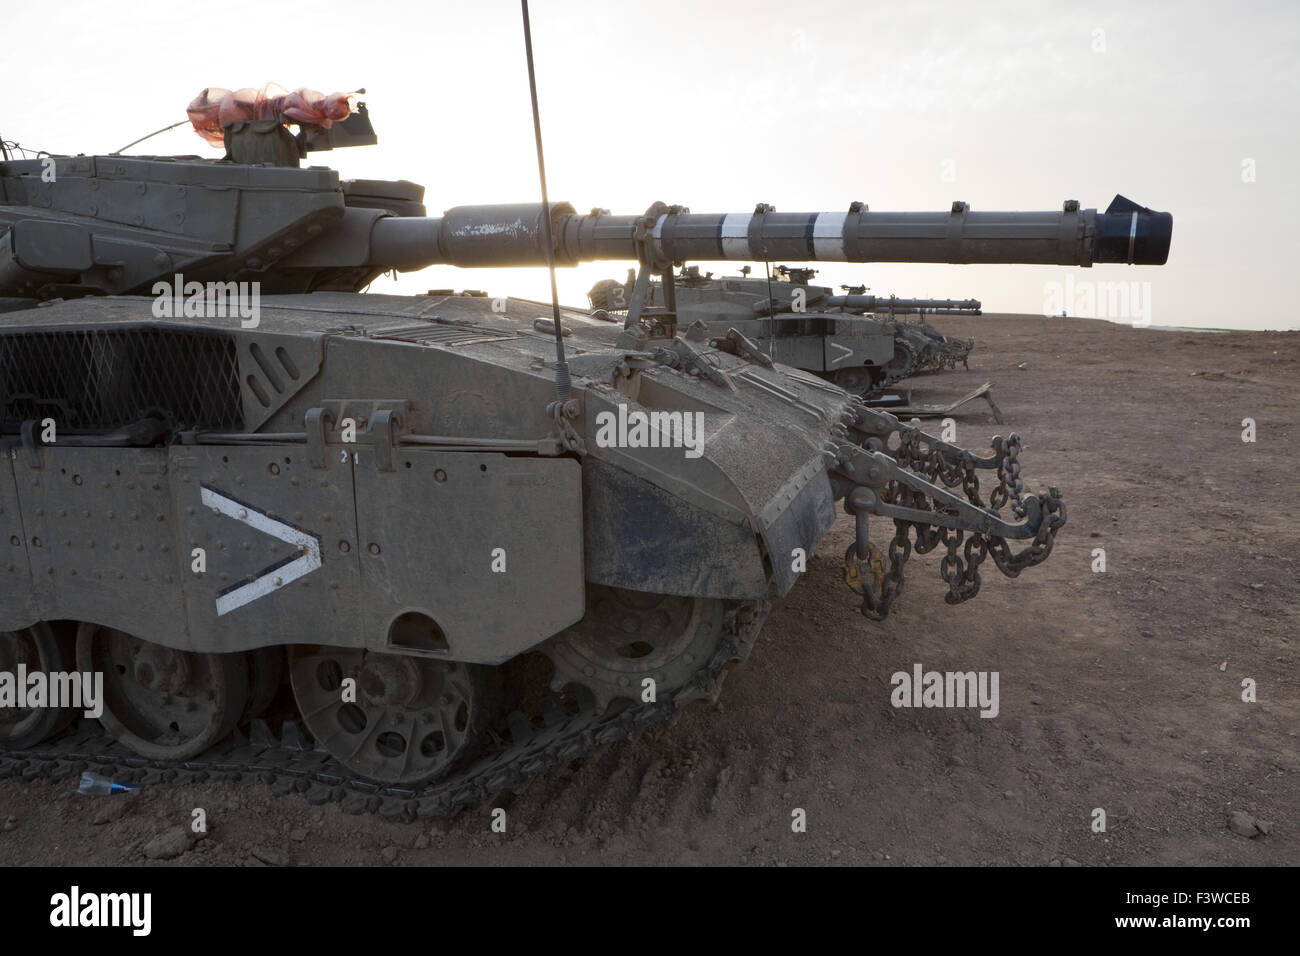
{"x":965,"y":550}
{"x":963,"y":576}
{"x":1010,"y":485}
{"x":1053,"y":512}
{"x":875,"y":606}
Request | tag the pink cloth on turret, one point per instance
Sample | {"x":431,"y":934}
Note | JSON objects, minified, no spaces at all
{"x":215,"y":107}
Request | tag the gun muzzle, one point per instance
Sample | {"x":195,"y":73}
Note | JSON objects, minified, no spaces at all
{"x":1127,"y":232}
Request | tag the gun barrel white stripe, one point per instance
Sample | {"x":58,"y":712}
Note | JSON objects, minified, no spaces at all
{"x":828,"y":236}
{"x":735,"y":235}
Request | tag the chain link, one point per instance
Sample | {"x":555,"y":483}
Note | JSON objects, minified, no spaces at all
{"x":875,"y":606}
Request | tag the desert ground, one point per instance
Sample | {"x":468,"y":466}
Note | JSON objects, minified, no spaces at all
{"x":1120,"y":690}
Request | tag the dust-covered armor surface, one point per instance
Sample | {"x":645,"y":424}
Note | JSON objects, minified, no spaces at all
{"x":354,"y":545}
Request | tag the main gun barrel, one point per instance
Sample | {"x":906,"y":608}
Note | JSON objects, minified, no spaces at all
{"x":512,"y":235}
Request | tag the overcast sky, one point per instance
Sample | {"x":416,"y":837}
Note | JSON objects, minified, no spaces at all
{"x":720,"y":105}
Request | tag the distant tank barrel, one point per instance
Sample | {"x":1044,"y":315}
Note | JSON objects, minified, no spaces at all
{"x":881,"y":303}
{"x":511,"y":235}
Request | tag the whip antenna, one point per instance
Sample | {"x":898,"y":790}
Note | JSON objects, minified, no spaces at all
{"x":561,"y":366}
{"x":118,"y":152}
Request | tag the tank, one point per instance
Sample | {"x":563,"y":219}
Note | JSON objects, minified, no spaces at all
{"x":860,"y":342}
{"x":399,"y":551}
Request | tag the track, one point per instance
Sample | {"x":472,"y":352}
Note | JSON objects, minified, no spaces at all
{"x":290,"y":764}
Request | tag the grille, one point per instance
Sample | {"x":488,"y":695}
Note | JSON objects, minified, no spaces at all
{"x":103,"y":379}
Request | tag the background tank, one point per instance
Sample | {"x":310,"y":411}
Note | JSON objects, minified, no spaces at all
{"x":862,"y":343}
{"x":470,"y":567}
